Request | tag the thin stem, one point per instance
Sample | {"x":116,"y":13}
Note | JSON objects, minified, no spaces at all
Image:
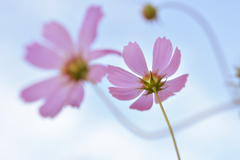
{"x":219,"y":55}
{"x":169,"y":126}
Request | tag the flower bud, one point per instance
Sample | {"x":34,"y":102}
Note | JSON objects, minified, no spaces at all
{"x":149,"y":12}
{"x":238,"y":72}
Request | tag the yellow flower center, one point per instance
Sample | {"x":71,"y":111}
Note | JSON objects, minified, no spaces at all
{"x":153,"y":81}
{"x":149,"y":12}
{"x":76,"y":69}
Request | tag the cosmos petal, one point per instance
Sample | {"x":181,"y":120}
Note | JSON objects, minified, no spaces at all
{"x":162,"y":53}
{"x":144,"y":102}
{"x":96,"y":72}
{"x":59,"y":36}
{"x":124,"y":93}
{"x":55,"y":102}
{"x":43,"y":57}
{"x":41,"y":89}
{"x":77,"y":94}
{"x":89,"y":28}
{"x":134,"y":59}
{"x":175,"y":85}
{"x":99,"y":53}
{"x":122,"y":78}
{"x":173,"y":65}
{"x":163,"y":95}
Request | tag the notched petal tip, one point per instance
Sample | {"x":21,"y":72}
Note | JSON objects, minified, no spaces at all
{"x":130,"y":44}
{"x":163,"y":39}
{"x":95,"y":8}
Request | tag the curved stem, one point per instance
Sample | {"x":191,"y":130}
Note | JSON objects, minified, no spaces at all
{"x":161,"y":133}
{"x":197,"y":117}
{"x":168,"y":123}
{"x":219,"y":55}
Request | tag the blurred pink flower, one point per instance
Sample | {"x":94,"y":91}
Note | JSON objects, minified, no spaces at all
{"x":129,"y":86}
{"x":72,"y":60}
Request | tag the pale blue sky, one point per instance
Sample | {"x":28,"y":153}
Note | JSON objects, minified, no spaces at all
{"x":93,"y":132}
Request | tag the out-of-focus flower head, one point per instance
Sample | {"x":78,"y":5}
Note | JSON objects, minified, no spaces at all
{"x":130,"y":86}
{"x":149,"y":12}
{"x":238,"y":72}
{"x":72,"y":60}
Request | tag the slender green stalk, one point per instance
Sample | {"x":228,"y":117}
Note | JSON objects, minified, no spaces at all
{"x":169,"y":126}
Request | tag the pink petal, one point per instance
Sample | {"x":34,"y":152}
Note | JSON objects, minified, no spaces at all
{"x":76,"y":95}
{"x":134,"y":59}
{"x":173,"y":65}
{"x":99,"y":53}
{"x":162,"y":53}
{"x":59,"y":36}
{"x":43,"y":57}
{"x":124,"y":93}
{"x":144,"y":102}
{"x":89,"y":28}
{"x":175,"y":85}
{"x":42,"y":89}
{"x":163,"y":95}
{"x":55,"y":102}
{"x":96,"y":72}
{"x":122,"y":78}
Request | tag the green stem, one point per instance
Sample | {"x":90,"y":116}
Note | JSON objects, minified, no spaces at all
{"x":169,"y":126}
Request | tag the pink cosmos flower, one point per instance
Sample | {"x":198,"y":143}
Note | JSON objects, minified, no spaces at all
{"x":73,"y":62}
{"x":130,"y":86}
